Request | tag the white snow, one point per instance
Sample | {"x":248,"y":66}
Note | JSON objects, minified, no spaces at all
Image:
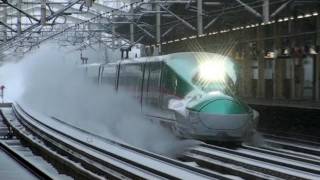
{"x":261,"y":164}
{"x":100,"y":143}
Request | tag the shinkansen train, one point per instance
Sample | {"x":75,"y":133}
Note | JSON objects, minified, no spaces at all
{"x":194,"y":94}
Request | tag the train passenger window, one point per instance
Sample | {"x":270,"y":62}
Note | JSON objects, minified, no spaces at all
{"x":130,"y":79}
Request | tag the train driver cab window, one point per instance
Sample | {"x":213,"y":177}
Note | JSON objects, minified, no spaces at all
{"x":173,"y":86}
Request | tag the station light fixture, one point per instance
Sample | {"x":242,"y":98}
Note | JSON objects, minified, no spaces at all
{"x":285,"y":52}
{"x":312,"y":50}
{"x":270,"y":55}
{"x":307,"y":15}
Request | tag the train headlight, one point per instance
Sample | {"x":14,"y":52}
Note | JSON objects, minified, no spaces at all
{"x":210,"y":71}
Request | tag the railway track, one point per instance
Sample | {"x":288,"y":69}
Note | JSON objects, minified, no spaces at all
{"x":99,"y":158}
{"x":24,"y":156}
{"x":106,"y":158}
{"x":293,"y":144}
{"x":251,"y":162}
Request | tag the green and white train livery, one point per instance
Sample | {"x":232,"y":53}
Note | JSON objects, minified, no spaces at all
{"x":193,"y":93}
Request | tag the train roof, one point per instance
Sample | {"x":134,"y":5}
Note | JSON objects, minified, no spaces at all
{"x":170,"y":57}
{"x":185,"y":63}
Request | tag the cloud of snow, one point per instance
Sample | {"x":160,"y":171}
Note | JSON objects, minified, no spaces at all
{"x":50,"y":81}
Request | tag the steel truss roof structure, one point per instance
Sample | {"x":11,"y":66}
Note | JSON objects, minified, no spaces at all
{"x":26,"y":23}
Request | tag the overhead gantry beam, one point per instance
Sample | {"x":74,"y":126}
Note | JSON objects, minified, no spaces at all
{"x":250,"y":9}
{"x":265,"y":10}
{"x":38,"y":22}
{"x":282,"y":7}
{"x":19,"y":9}
{"x":179,"y":18}
{"x":199,"y":17}
{"x":158,"y":27}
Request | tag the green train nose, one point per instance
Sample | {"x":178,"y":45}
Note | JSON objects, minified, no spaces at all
{"x":224,"y":106}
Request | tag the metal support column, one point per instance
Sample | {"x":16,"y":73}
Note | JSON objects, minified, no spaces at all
{"x":19,"y":2}
{"x":113,"y":30}
{"x":317,"y":78}
{"x":131,"y":24}
{"x":43,"y":12}
{"x":291,"y":29}
{"x":247,"y":67}
{"x":158,"y":28}
{"x":199,"y":17}
{"x":317,"y":64}
{"x":242,"y":74}
{"x":265,"y":10}
{"x":278,"y":66}
{"x":261,"y":63}
{"x":4,"y":19}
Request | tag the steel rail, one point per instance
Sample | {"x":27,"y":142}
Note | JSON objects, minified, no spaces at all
{"x":293,"y":139}
{"x":263,"y":159}
{"x":235,"y":170}
{"x":270,"y":151}
{"x":24,"y":163}
{"x":258,"y":162}
{"x":18,"y":158}
{"x":97,"y":164}
{"x":165,"y":160}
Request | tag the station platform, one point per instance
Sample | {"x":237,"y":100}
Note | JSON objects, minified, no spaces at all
{"x":5,"y":105}
{"x":292,"y":118}
{"x":301,"y":104}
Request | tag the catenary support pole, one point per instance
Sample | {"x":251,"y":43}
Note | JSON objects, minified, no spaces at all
{"x":317,"y":60}
{"x":199,"y":17}
{"x":261,"y":63}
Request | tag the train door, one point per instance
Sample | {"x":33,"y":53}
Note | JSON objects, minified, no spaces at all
{"x":130,"y":79}
{"x":169,"y":82}
{"x":108,"y":75}
{"x":151,"y":89}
